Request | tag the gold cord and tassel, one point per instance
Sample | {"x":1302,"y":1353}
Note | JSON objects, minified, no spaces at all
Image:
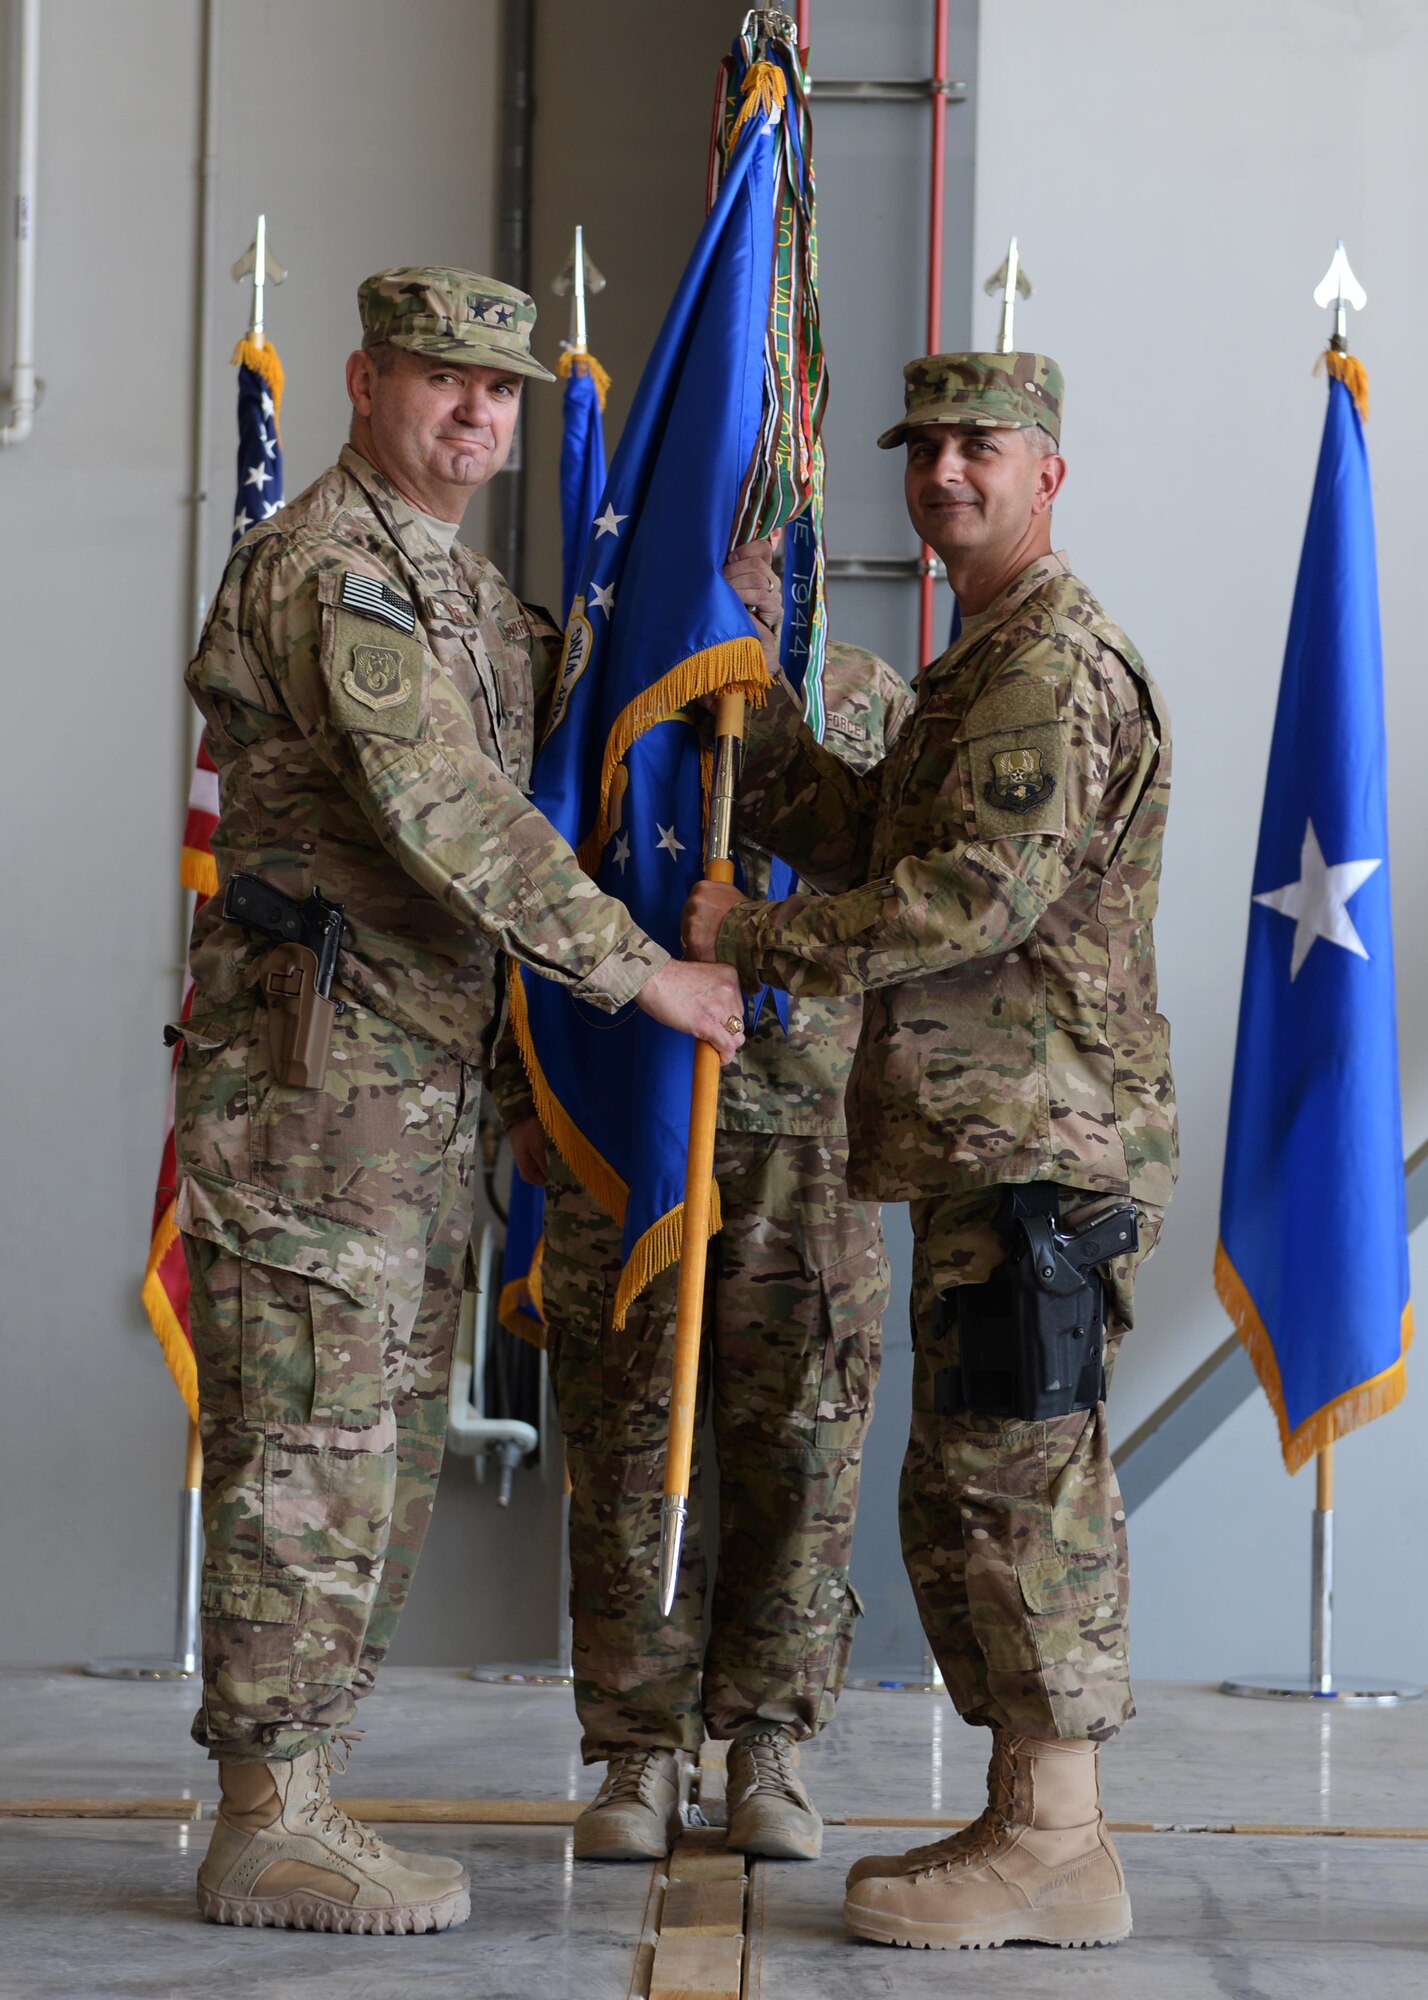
{"x":1348,"y":369}
{"x":765,"y":89}
{"x":262,"y":358}
{"x":580,"y":361}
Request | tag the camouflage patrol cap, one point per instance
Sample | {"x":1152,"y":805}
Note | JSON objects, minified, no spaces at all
{"x":1001,"y":391}
{"x":455,"y":315}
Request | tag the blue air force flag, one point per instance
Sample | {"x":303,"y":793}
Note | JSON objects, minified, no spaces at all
{"x":582,"y":481}
{"x":1312,"y":1264}
{"x":652,"y":626}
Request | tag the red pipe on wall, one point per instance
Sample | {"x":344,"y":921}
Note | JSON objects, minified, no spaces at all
{"x":937,"y":214}
{"x":804,"y":9}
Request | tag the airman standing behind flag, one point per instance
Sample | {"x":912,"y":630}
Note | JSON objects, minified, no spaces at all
{"x":992,"y":885}
{"x":368,"y":691}
{"x":794,"y":1318}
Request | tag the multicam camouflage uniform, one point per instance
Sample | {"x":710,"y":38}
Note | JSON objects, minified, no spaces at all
{"x":368,"y":702}
{"x":993,"y":884}
{"x":799,"y":1282}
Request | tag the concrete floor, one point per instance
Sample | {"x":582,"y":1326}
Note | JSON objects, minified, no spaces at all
{"x":100,"y":1906}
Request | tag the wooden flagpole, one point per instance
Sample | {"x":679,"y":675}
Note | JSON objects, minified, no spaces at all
{"x":698,"y":1181}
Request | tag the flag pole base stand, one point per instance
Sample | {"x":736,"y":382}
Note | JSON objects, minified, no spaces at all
{"x":121,"y":1669}
{"x":185,"y":1662}
{"x":525,"y":1673}
{"x":1358,"y":1691}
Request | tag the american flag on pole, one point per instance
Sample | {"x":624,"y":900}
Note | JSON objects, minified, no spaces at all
{"x":260,"y":495}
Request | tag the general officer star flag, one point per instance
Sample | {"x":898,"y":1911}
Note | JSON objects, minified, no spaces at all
{"x":654,"y":625}
{"x":1312,"y":1263}
{"x":260,"y":494}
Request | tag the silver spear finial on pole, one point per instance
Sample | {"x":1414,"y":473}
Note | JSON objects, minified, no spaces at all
{"x":579,"y":278}
{"x":259,"y":259}
{"x":1009,"y":278}
{"x":1340,"y":289}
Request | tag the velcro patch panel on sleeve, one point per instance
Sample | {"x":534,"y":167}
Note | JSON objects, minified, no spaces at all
{"x":375,"y":599}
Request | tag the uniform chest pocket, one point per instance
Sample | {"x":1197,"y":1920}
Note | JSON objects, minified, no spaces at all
{"x":925,"y":802}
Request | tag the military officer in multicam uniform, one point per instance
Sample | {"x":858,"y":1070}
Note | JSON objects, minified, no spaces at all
{"x":368,"y":687}
{"x":993,"y":883}
{"x":799,"y":1282}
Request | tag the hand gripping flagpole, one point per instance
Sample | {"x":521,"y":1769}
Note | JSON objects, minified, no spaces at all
{"x":1340,"y":289}
{"x":698,"y":1181}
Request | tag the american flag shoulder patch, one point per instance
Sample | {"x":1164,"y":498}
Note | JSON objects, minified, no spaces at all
{"x":378,"y":600}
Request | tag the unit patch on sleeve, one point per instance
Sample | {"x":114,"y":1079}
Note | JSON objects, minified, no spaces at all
{"x":1014,"y":762}
{"x":377,"y":682}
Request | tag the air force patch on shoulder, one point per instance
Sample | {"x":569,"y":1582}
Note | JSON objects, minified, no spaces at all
{"x":1019,"y":780}
{"x":375,"y":677}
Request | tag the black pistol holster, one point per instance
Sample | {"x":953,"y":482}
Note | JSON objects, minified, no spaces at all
{"x":1032,"y":1339}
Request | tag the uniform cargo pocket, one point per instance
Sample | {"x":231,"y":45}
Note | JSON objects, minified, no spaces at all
{"x":248,"y":1634}
{"x":854,"y":1294}
{"x":312,"y":1302}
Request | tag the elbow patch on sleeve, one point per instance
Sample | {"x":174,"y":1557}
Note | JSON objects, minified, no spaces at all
{"x":1013,"y":763}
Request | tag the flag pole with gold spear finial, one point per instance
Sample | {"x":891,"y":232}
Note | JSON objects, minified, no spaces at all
{"x":763,"y":92}
{"x":1009,"y":279}
{"x":699,"y":1180}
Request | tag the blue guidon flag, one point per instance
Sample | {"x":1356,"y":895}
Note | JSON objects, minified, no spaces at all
{"x":582,"y":479}
{"x":712,"y":454}
{"x":1312,"y":1264}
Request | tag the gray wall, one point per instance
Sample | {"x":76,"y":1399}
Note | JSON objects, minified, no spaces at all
{"x":1178,"y":177}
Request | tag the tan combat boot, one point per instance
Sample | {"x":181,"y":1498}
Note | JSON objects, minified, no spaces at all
{"x":1037,"y":1867}
{"x":1000,"y":1792}
{"x":283,"y":1852}
{"x":635,"y":1814}
{"x":769,"y":1811}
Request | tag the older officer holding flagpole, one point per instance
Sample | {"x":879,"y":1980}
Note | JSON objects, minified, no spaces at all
{"x":992,"y":885}
{"x":368,"y":692}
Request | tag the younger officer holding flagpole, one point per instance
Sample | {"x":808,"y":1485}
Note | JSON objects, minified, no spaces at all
{"x":367,"y":689}
{"x":994,"y":881}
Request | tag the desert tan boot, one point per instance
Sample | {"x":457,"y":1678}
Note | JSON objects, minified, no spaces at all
{"x":635,"y":1814}
{"x":1000,"y":1783}
{"x":1037,"y":1867}
{"x":770,"y":1813}
{"x":283,"y":1852}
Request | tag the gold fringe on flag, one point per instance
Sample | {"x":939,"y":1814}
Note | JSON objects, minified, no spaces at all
{"x":1370,"y":1399}
{"x":589,"y":1166}
{"x":733,"y":666}
{"x":580,"y":361}
{"x":1348,"y":369}
{"x":662,"y":1243}
{"x":522,"y":1297}
{"x":164,"y":1320}
{"x":263,"y":360}
{"x":765,"y":90}
{"x":198,"y":871}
